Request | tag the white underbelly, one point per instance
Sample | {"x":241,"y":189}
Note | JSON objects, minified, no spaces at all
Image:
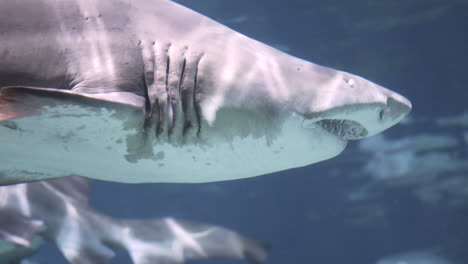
{"x":94,"y":144}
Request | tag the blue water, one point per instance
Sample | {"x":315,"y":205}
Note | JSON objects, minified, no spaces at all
{"x":417,"y":48}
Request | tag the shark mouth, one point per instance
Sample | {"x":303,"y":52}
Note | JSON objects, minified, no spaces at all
{"x":346,"y":129}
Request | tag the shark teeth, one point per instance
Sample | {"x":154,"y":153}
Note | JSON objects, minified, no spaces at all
{"x":347,"y":129}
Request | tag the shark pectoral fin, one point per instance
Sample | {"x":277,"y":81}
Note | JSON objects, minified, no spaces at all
{"x":17,"y":102}
{"x":13,"y":104}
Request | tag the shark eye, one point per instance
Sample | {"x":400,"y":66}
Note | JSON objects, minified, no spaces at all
{"x":351,"y":83}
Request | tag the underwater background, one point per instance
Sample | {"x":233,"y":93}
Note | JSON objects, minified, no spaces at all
{"x":406,"y":190}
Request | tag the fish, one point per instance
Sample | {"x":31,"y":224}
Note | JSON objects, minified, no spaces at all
{"x":151,"y":91}
{"x":58,"y":211}
{"x":415,"y":257}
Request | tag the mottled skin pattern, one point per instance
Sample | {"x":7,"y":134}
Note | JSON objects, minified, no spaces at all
{"x":186,"y":99}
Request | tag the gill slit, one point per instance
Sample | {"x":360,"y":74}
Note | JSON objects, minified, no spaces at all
{"x":181,"y":99}
{"x":196,"y":105}
{"x":169,"y":111}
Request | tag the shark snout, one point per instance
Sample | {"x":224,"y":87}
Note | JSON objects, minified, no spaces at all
{"x":397,"y":107}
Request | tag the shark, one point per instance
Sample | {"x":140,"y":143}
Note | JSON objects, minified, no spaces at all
{"x":58,"y":211}
{"x":415,"y":257}
{"x":152,"y":91}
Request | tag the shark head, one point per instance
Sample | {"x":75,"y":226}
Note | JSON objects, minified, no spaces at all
{"x":244,"y":73}
{"x":353,"y":108}
{"x":298,"y":112}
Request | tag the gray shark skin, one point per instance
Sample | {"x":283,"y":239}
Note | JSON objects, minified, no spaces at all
{"x":150,"y":91}
{"x":33,"y":212}
{"x":415,"y":257}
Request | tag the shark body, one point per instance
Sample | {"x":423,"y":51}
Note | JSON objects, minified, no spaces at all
{"x":57,"y":211}
{"x":151,"y":91}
